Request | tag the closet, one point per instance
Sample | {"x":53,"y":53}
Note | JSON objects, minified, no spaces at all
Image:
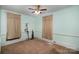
{"x":47,"y":27}
{"x":13,"y":26}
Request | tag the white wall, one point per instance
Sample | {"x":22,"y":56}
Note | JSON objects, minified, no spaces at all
{"x":24,"y":19}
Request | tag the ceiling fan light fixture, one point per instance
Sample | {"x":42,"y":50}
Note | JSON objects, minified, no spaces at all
{"x":37,"y":12}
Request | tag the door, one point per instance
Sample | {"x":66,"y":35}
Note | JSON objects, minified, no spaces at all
{"x":47,"y":27}
{"x":13,"y":26}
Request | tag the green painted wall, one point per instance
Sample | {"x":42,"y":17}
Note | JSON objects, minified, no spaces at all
{"x":0,"y":29}
{"x":38,"y":26}
{"x":27,"y":19}
{"x":66,"y":22}
{"x":24,"y":19}
{"x":3,"y":27}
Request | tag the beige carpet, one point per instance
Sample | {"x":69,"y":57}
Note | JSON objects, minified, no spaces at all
{"x":34,"y":47}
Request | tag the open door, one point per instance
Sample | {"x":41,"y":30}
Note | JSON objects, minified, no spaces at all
{"x":47,"y":27}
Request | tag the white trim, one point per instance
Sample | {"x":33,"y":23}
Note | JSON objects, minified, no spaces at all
{"x":11,"y":11}
{"x":3,"y":37}
{"x":62,"y":34}
{"x":67,"y":45}
{"x":46,"y":14}
{"x":51,"y":42}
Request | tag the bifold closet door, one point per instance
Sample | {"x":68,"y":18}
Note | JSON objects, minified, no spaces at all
{"x":13,"y":26}
{"x":47,"y":27}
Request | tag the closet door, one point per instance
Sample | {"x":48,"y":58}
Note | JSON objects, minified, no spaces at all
{"x":10,"y":26}
{"x":17,"y":26}
{"x":13,"y":26}
{"x":47,"y":27}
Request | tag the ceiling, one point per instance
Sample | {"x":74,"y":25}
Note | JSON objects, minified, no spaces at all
{"x":24,"y":8}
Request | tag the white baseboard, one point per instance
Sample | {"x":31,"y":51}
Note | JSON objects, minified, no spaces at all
{"x":60,"y":43}
{"x":12,"y":42}
{"x":67,"y":45}
{"x":49,"y":41}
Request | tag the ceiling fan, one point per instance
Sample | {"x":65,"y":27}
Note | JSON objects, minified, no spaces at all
{"x":37,"y":10}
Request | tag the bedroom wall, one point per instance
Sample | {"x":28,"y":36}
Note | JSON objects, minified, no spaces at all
{"x":38,"y":26}
{"x":24,"y":19}
{"x":66,"y":27}
{"x":0,"y":30}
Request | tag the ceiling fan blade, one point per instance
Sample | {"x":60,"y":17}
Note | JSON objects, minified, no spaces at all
{"x":31,"y":9}
{"x":43,"y":9}
{"x":33,"y":12}
{"x":40,"y":12}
